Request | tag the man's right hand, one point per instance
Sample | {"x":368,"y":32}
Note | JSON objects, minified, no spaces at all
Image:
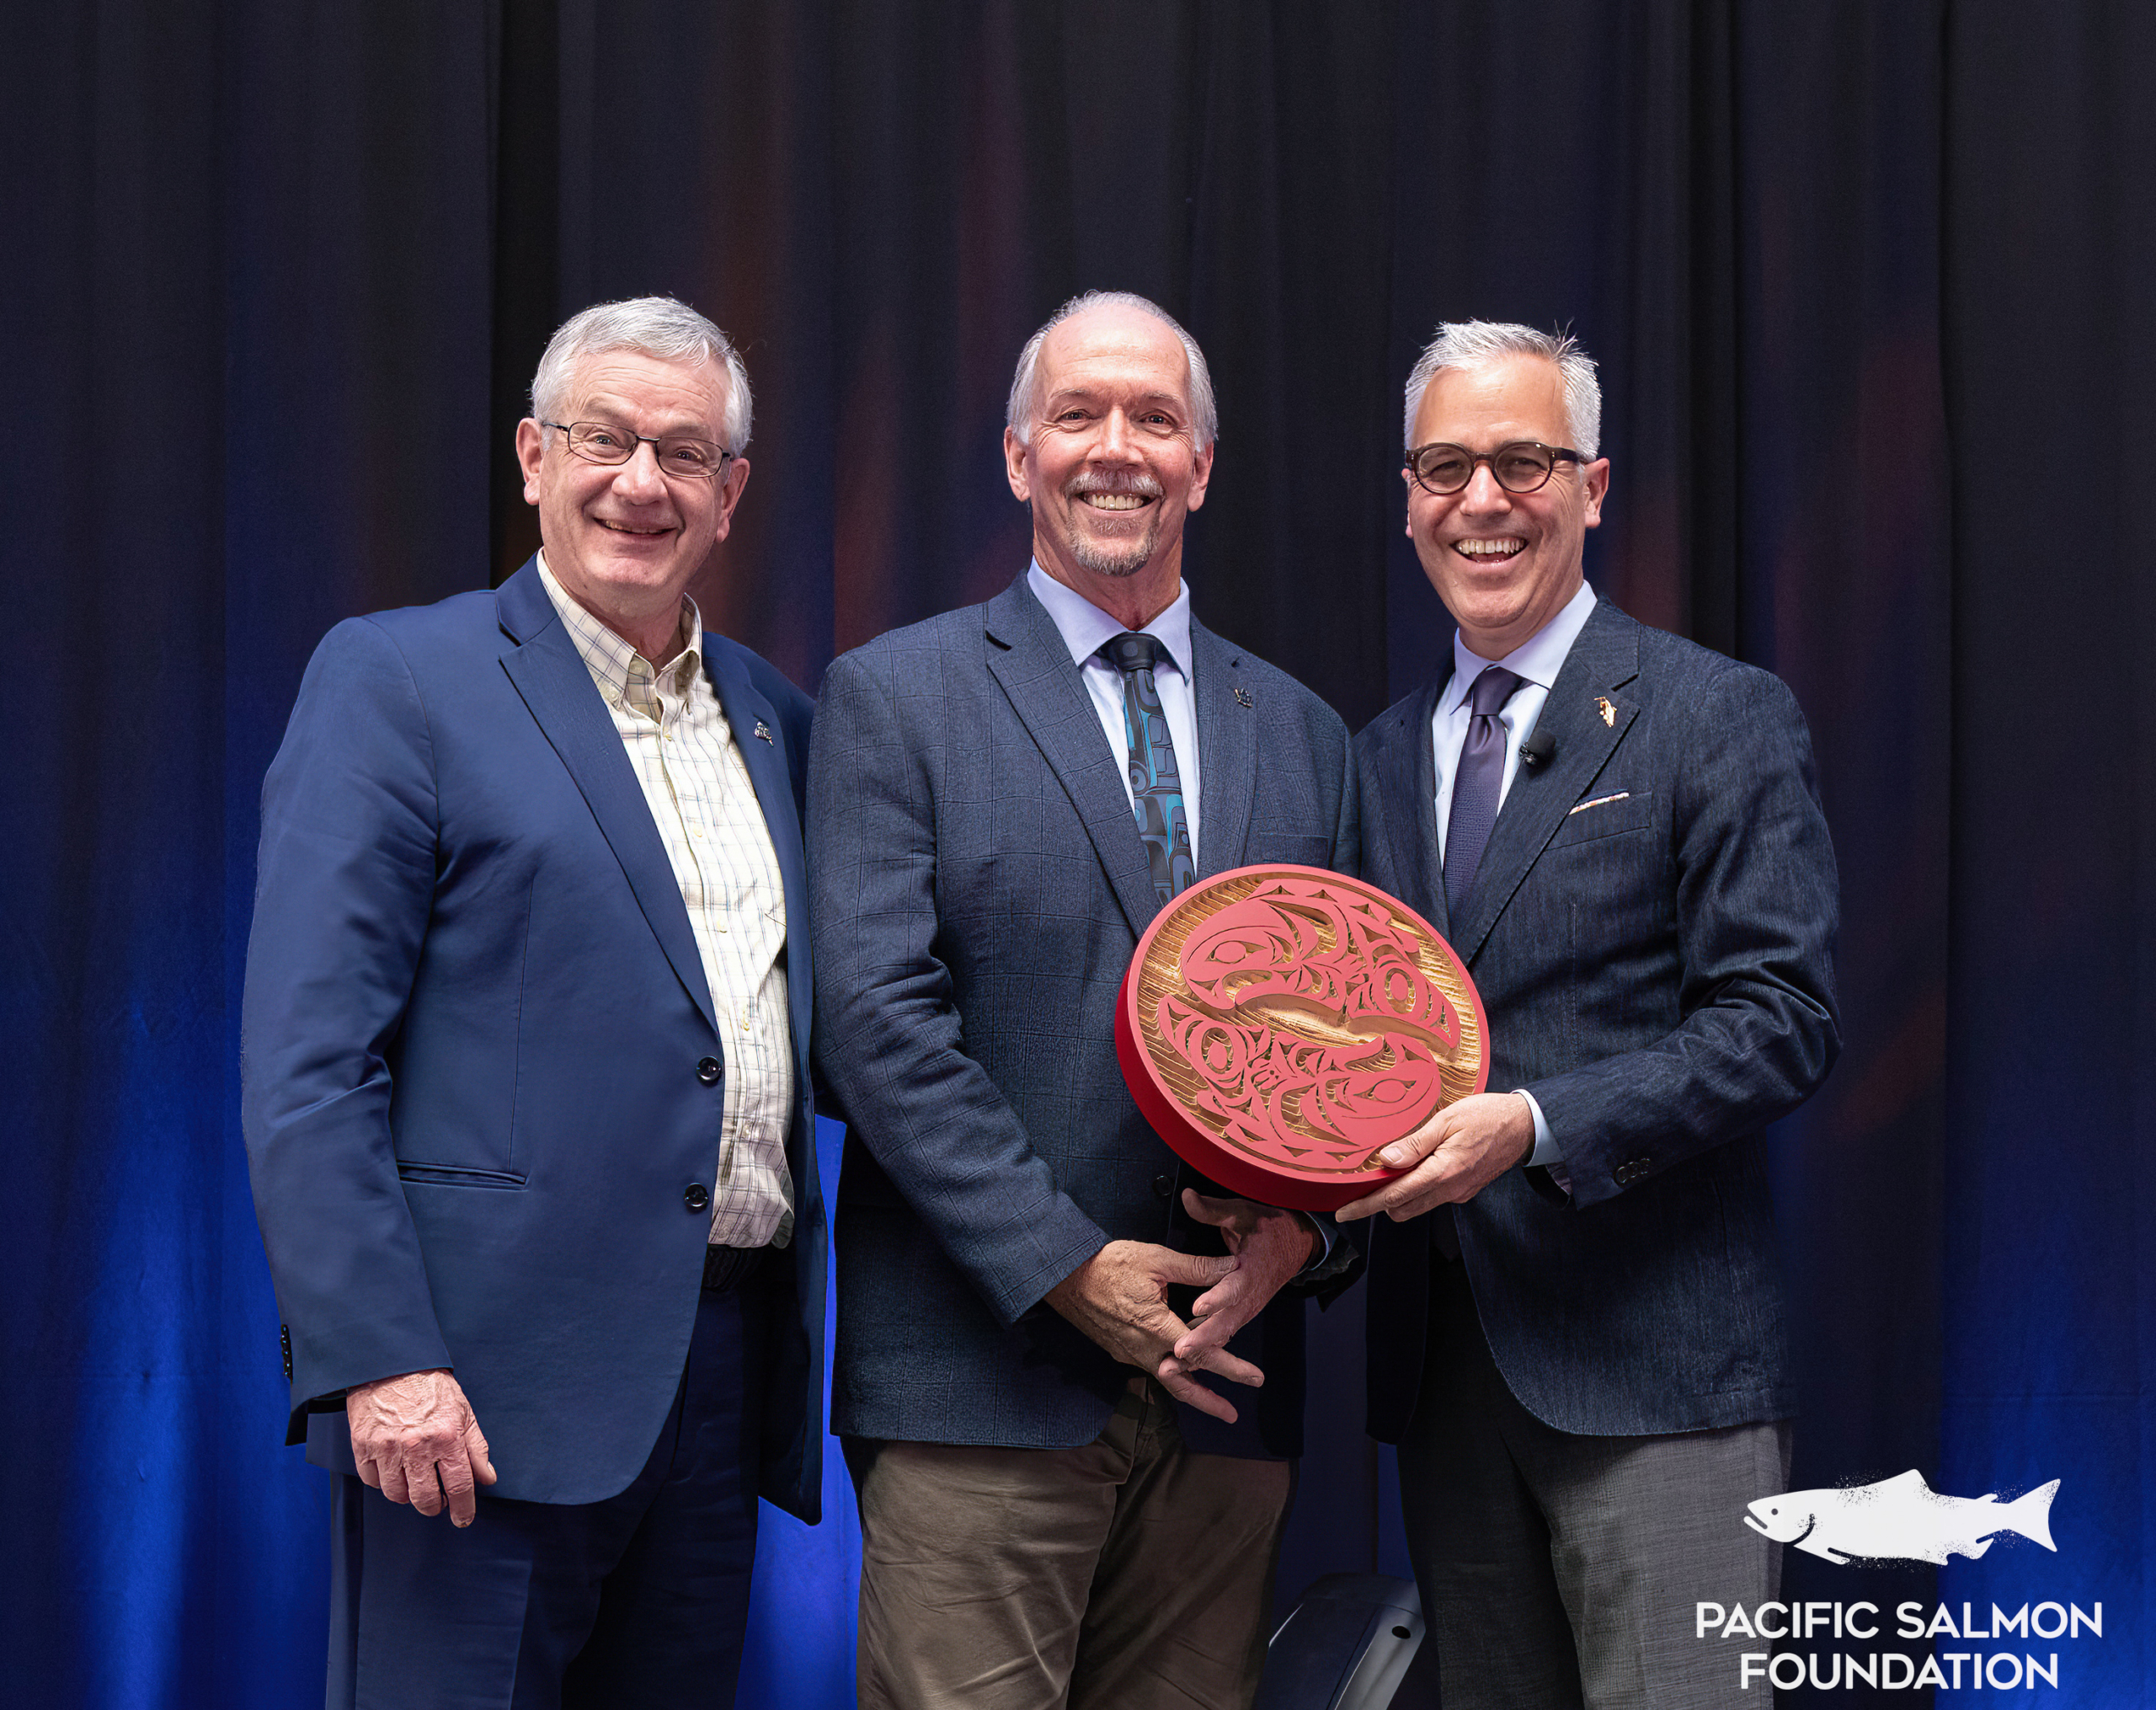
{"x":415,"y":1442}
{"x":1120,"y":1298}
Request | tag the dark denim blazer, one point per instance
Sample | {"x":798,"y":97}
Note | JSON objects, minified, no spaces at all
{"x":1651,"y":930}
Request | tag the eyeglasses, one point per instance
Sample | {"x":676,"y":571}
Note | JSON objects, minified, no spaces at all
{"x":1523,"y":466}
{"x":676,"y":454}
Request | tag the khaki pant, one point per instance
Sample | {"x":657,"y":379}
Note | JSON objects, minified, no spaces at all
{"x":1129,"y":1573}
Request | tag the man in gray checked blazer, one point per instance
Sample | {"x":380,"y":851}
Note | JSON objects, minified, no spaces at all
{"x":1574,"y":1317}
{"x":1053,"y":1497}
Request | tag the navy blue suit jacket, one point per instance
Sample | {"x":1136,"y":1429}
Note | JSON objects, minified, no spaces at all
{"x":1651,"y":930}
{"x":979,"y":887}
{"x":473,"y":1020}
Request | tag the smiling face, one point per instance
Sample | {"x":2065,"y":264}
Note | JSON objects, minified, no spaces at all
{"x":624,"y":540}
{"x":1111,"y":467}
{"x":1503,"y":562}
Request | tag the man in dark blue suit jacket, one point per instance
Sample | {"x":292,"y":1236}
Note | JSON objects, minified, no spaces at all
{"x":525,"y":1081}
{"x":1054,"y":1508}
{"x":1575,"y":1316}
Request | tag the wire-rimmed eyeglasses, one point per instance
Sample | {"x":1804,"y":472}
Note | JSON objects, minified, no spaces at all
{"x":675,"y":454}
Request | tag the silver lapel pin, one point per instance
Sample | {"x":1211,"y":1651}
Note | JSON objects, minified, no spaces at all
{"x":1242,"y":696}
{"x":763,"y":730}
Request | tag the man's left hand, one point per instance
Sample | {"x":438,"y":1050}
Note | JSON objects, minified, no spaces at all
{"x":1456,"y":1154}
{"x":1269,"y":1247}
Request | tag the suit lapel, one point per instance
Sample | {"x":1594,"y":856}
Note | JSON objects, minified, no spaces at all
{"x":1028,"y":660}
{"x":551,"y":675}
{"x":1408,"y":786}
{"x":1605,"y":656}
{"x":1227,"y":743}
{"x":758,"y":734}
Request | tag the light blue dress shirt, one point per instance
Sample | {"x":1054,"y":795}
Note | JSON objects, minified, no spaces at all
{"x":1083,"y":627}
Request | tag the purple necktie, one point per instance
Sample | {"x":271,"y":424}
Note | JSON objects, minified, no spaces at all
{"x":1476,"y":784}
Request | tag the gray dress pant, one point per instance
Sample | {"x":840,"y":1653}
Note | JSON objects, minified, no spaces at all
{"x":1561,"y":1571}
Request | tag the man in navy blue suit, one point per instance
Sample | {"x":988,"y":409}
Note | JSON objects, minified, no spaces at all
{"x":1055,"y":1506}
{"x":1575,"y":1318}
{"x":526,"y":1082}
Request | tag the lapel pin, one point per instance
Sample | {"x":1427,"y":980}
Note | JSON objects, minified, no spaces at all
{"x":1601,"y":705}
{"x":1242,"y":696}
{"x":764,"y":730}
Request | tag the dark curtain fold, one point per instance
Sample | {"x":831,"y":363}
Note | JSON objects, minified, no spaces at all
{"x":2049,"y":245}
{"x":1865,"y":281}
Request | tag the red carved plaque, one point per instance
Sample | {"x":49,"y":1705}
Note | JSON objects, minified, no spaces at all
{"x":1279,"y":1024}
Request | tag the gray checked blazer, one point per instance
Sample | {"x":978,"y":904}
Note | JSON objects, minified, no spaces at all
{"x":1652,"y":930}
{"x":978,"y":886}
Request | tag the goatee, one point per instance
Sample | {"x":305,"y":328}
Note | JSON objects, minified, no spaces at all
{"x":1121,"y":557}
{"x":1124,"y":559}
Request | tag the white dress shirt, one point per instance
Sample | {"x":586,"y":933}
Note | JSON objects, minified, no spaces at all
{"x":1536,"y":662}
{"x":1083,"y":627}
{"x":704,"y":804}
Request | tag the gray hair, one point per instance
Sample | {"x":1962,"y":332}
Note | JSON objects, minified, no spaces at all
{"x":657,"y":326}
{"x":1025,"y":385}
{"x":1472,"y":344}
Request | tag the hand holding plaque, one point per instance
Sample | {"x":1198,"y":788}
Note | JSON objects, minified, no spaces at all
{"x":1468,"y":1145}
{"x":1279,"y":1025}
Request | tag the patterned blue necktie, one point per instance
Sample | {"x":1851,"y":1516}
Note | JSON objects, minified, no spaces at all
{"x":1155,"y":785}
{"x":1476,"y":784}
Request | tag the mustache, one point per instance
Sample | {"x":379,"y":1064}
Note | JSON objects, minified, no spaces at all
{"x":1135,"y":481}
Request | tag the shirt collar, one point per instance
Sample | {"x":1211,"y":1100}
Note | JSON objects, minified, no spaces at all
{"x":614,"y":665}
{"x":1084,"y":626}
{"x":1538,"y":658}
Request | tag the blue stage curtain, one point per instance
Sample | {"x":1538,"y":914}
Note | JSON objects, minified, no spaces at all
{"x":1867,"y":282}
{"x":2050,"y":1331}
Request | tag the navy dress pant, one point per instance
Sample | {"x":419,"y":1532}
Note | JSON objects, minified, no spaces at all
{"x":640,"y":1599}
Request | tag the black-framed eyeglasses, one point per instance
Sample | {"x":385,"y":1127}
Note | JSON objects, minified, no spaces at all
{"x":676,"y":454}
{"x":1522,"y":466}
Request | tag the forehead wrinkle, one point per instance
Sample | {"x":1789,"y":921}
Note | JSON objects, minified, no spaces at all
{"x":1517,"y":398}
{"x":1497,"y":443}
{"x":1084,"y":393}
{"x":620,"y":410}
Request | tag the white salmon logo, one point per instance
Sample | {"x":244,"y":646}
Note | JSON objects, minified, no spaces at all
{"x":1900,"y":1518}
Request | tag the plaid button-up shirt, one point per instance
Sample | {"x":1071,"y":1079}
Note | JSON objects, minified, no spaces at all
{"x":675,"y":733}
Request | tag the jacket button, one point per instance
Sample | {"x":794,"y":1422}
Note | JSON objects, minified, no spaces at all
{"x":1163,"y":1186}
{"x":708,"y":1070}
{"x":696,"y":1196}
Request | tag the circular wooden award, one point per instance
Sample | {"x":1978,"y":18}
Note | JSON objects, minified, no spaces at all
{"x":1280,"y":1024}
